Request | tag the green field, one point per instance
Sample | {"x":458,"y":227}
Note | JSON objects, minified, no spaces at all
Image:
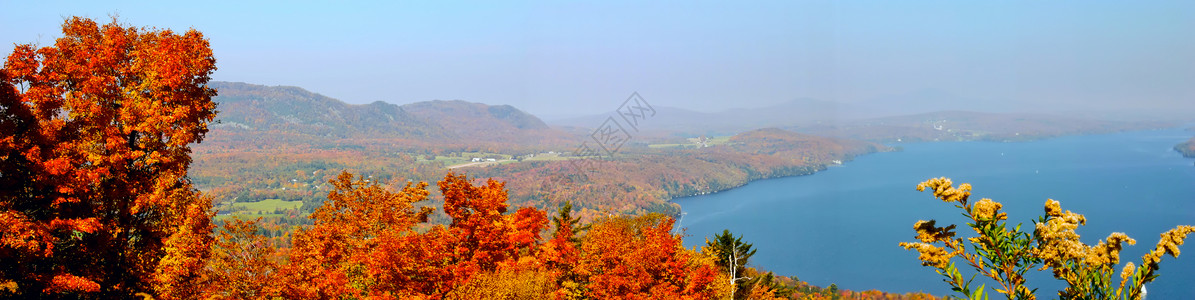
{"x":267,"y":206}
{"x":546,"y":157}
{"x":263,"y":208}
{"x":462,"y":157}
{"x":695,"y":143}
{"x":246,"y":216}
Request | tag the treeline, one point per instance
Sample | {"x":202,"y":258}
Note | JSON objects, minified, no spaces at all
{"x":365,"y":243}
{"x":644,"y":180}
{"x":372,"y":243}
{"x":636,"y":180}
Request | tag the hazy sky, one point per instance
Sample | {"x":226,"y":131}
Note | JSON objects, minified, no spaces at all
{"x":584,"y":57}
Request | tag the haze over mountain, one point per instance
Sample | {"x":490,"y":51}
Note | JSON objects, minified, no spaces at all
{"x":256,"y":108}
{"x":957,"y":125}
{"x":912,"y":115}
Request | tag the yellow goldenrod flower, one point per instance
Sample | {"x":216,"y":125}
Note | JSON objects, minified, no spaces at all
{"x":1129,"y":268}
{"x":928,"y":233}
{"x":1172,"y":239}
{"x":1053,"y":208}
{"x":1112,"y":248}
{"x":987,"y":210}
{"x":931,"y":255}
{"x":1058,"y":244}
{"x":943,"y":190}
{"x":1055,"y":244}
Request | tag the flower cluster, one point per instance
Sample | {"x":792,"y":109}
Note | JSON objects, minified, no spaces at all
{"x":1058,"y":244}
{"x":931,"y":256}
{"x":1004,"y":255}
{"x":1108,"y":251}
{"x":1128,"y":270}
{"x":1167,"y":245}
{"x":944,"y":190}
{"x":987,"y":210}
{"x":1053,"y":208}
{"x":928,"y":233}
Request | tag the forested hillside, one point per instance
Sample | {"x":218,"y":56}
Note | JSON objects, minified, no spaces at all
{"x":285,"y":143}
{"x":294,"y":110}
{"x":643,"y":180}
{"x":248,"y":109}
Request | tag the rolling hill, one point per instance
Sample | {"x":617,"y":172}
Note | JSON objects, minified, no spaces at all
{"x":253,"y":109}
{"x":278,"y":142}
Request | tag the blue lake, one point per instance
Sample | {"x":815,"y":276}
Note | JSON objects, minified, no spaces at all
{"x":842,"y":225}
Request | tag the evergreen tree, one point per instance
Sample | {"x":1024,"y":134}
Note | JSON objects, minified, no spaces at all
{"x":732,"y":255}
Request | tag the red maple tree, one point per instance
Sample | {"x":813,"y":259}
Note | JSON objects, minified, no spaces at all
{"x":95,"y":136}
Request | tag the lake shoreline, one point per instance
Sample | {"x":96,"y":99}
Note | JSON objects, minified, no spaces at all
{"x":898,"y":147}
{"x":800,"y":224}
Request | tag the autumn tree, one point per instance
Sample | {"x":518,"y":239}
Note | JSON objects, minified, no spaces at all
{"x":243,"y":263}
{"x":363,"y":242}
{"x":329,"y":259}
{"x":95,"y":136}
{"x":640,"y":258}
{"x":560,"y":252}
{"x":483,"y":251}
{"x":483,"y":235}
{"x":505,"y":284}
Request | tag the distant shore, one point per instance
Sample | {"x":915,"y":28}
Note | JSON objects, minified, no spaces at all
{"x":1186,"y":148}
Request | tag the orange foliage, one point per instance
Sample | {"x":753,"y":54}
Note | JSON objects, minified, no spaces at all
{"x":560,"y":253}
{"x":364,"y":243}
{"x":484,"y":236}
{"x":327,"y":258}
{"x":94,"y":149}
{"x":505,"y":284}
{"x":639,"y":258}
{"x":242,"y":265}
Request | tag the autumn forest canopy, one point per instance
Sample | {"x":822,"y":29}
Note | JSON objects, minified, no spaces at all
{"x":125,"y":171}
{"x":97,"y":203}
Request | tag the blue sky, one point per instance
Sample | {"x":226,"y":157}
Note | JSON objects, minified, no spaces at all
{"x":554,"y":58}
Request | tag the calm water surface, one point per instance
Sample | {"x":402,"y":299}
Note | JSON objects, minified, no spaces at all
{"x":842,"y":225}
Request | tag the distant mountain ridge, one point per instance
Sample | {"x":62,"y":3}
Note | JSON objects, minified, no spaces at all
{"x":943,"y":116}
{"x":251,"y":107}
{"x":969,"y":125}
{"x":792,"y":113}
